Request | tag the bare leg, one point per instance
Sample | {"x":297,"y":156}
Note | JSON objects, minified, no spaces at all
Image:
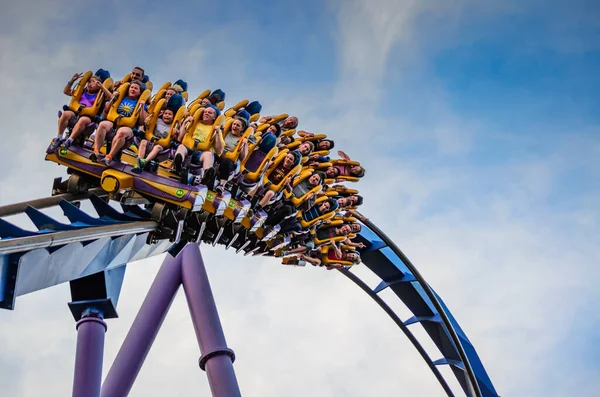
{"x":142,"y":150}
{"x":181,"y":150}
{"x":206,"y":159}
{"x":63,"y":121}
{"x":154,"y":152}
{"x":103,"y":129}
{"x":80,"y":126}
{"x":119,"y":140}
{"x":266,"y":198}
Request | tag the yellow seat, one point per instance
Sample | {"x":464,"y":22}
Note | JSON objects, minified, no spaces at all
{"x":278,"y":160}
{"x":234,"y":109}
{"x":235,"y":154}
{"x":201,"y":137}
{"x":160,"y":94}
{"x":153,"y":119}
{"x":270,"y":121}
{"x":92,"y":111}
{"x":335,"y":239}
{"x":340,"y":190}
{"x":347,"y":178}
{"x":195,"y":104}
{"x":331,"y":262}
{"x":322,"y":217}
{"x":303,"y":176}
{"x":339,"y":220}
{"x":253,"y":175}
{"x":299,"y":140}
{"x":116,"y":118}
{"x":127,"y":79}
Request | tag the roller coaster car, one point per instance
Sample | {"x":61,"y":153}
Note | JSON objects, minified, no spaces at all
{"x":81,"y":110}
{"x":298,"y":201}
{"x":234,"y":214}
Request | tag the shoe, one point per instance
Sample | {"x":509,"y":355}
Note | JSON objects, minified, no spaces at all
{"x":141,"y":163}
{"x":54,"y":145}
{"x":95,"y":157}
{"x":136,"y":170}
{"x":177,"y":162}
{"x":68,"y":143}
{"x":107,"y":160}
{"x":209,"y":177}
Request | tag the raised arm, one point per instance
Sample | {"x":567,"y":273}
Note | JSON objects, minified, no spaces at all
{"x":183,"y":127}
{"x":244,"y":149}
{"x":142,"y":115}
{"x":69,"y":86}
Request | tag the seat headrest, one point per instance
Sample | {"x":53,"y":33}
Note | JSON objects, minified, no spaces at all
{"x":102,"y":74}
{"x":297,"y":157}
{"x":217,"y":96}
{"x":244,"y":114}
{"x":146,"y":79}
{"x":216,"y":109}
{"x":182,"y":84}
{"x":175,"y":102}
{"x":278,"y":130}
{"x":253,"y":107}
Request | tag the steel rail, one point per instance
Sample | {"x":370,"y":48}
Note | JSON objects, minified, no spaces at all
{"x":401,"y":325}
{"x":461,"y":351}
{"x":17,"y":208}
{"x":20,"y":244}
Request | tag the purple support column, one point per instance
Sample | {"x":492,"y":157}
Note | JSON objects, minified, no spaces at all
{"x":144,"y":329}
{"x":88,"y":358}
{"x":216,"y":358}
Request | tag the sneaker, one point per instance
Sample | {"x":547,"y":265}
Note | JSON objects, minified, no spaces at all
{"x":107,"y":160}
{"x":68,"y":143}
{"x":141,"y":163}
{"x":209,"y":177}
{"x":54,"y":145}
{"x":136,"y":170}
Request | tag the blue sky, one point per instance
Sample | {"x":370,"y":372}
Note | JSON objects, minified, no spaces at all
{"x":477,"y":121}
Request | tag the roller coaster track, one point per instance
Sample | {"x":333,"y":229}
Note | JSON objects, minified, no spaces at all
{"x":60,"y":252}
